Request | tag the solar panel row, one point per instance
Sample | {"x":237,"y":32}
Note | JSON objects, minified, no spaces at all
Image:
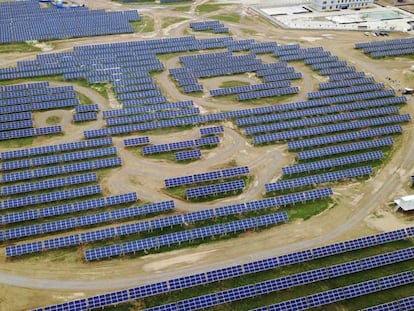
{"x":183,"y":236}
{"x":22,"y":153}
{"x":214,"y":189}
{"x":186,"y":144}
{"x":261,"y":265}
{"x":318,"y":179}
{"x":85,"y":221}
{"x":208,"y":176}
{"x":270,"y":286}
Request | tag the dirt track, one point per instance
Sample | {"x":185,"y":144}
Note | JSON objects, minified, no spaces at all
{"x":41,"y":282}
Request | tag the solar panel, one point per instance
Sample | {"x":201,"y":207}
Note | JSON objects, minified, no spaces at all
{"x":215,"y":189}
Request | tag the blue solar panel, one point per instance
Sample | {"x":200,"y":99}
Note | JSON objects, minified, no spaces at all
{"x":62,"y":242}
{"x":18,"y":250}
{"x":148,"y":290}
{"x":76,"y":305}
{"x":225,"y":273}
{"x":108,"y":299}
{"x":187,"y":155}
{"x":215,"y":189}
{"x":187,"y":281}
{"x":261,"y":265}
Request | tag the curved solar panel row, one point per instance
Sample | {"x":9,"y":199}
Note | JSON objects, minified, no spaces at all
{"x":305,"y":122}
{"x":307,"y":277}
{"x":284,"y":113}
{"x":152,"y":116}
{"x":183,"y":236}
{"x":251,"y":267}
{"x":48,"y":184}
{"x":345,"y":148}
{"x":328,"y":59}
{"x":207,"y":176}
{"x":146,"y":109}
{"x":86,"y":108}
{"x":58,"y":158}
{"x":94,"y":219}
{"x":87,"y":116}
{"x":332,"y":128}
{"x":268,"y":93}
{"x":345,"y":83}
{"x":331,"y":163}
{"x":187,"y":155}
{"x":344,"y":137}
{"x":136,"y":141}
{"x":50,"y":197}
{"x":326,"y":65}
{"x":60,"y":169}
{"x":22,"y":153}
{"x":249,"y":88}
{"x":346,"y":90}
{"x":186,"y":144}
{"x":346,"y":76}
{"x":213,"y":130}
{"x":214,"y":189}
{"x":318,"y":179}
{"x":343,"y":293}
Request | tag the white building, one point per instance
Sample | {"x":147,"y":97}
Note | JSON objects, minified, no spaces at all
{"x":329,"y":5}
{"x":405,"y":203}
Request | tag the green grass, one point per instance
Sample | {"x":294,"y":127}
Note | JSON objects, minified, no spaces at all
{"x":167,"y":21}
{"x":306,"y":210}
{"x":53,"y":120}
{"x":146,"y":24}
{"x":16,"y":143}
{"x":233,"y":83}
{"x":184,"y":8}
{"x":18,"y":47}
{"x":85,"y":100}
{"x":232,"y":18}
{"x":209,"y":7}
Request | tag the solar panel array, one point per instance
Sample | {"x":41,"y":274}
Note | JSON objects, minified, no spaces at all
{"x":395,"y":47}
{"x":318,"y":179}
{"x":144,"y":226}
{"x":187,"y":155}
{"x":314,"y":300}
{"x":136,"y":141}
{"x":207,"y":176}
{"x":86,"y":108}
{"x":86,"y":237}
{"x":214,"y":25}
{"x":213,"y":130}
{"x":33,"y":22}
{"x":262,"y":265}
{"x":181,"y":145}
{"x":25,"y":153}
{"x":331,"y":163}
{"x":48,"y":184}
{"x":87,"y":116}
{"x":183,"y":236}
{"x":50,"y":197}
{"x":214,"y":189}
{"x":68,"y":208}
